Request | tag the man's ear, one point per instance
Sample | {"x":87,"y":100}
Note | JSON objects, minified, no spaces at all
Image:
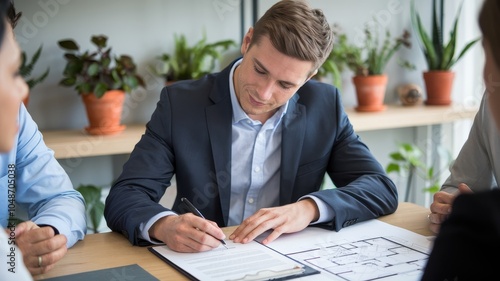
{"x":246,"y":41}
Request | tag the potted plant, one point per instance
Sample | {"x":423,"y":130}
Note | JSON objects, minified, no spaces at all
{"x":190,"y":62}
{"x":334,"y":64}
{"x":408,"y":160}
{"x":368,"y":63}
{"x":440,"y":56}
{"x":102,"y":79}
{"x":26,"y":69}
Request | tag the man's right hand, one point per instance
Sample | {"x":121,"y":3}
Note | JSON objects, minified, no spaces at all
{"x":441,"y":206}
{"x":187,"y":233}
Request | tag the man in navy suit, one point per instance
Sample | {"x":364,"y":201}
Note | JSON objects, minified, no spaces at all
{"x":250,"y":146}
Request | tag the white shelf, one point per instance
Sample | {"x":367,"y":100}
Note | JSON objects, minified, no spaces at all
{"x":76,"y":143}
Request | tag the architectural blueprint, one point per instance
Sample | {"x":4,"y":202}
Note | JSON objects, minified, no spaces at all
{"x":371,"y":250}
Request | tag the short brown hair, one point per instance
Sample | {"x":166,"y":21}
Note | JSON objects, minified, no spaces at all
{"x":296,"y":30}
{"x":489,"y":19}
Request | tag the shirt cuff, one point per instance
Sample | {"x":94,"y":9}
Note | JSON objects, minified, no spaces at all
{"x":56,"y":232}
{"x":144,"y":227}
{"x":326,"y":213}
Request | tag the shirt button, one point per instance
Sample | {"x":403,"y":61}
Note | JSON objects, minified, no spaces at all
{"x":250,"y":200}
{"x":257,"y":169}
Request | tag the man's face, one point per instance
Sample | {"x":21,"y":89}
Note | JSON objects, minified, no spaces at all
{"x":491,"y":75}
{"x":13,"y":89}
{"x":266,"y":79}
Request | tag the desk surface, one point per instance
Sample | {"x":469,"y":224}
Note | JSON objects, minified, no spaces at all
{"x":106,"y":250}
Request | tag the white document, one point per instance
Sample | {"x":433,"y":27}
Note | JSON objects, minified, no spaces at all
{"x":371,"y":250}
{"x":235,"y":261}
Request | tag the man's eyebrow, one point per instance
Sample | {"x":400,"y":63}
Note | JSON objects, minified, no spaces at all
{"x":264,"y":69}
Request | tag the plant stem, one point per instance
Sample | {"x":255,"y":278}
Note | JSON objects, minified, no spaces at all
{"x":409,"y":181}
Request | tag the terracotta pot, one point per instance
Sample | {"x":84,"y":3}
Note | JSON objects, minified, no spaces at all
{"x":438,"y":85}
{"x":104,"y":114}
{"x":370,"y":92}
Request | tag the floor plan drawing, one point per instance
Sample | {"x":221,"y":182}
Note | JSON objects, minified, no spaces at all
{"x":377,"y":258}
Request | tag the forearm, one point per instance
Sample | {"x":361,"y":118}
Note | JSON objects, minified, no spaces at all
{"x":365,"y":198}
{"x":67,"y":215}
{"x":127,"y":208}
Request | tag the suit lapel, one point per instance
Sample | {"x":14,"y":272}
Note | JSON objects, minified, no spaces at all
{"x":219,"y":120}
{"x":294,"y":127}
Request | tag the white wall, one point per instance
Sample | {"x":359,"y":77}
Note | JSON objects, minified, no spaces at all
{"x":145,"y":29}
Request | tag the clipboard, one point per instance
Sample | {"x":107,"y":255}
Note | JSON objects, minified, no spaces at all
{"x":260,"y":263}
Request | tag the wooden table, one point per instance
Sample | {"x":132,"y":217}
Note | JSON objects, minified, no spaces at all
{"x":106,"y":250}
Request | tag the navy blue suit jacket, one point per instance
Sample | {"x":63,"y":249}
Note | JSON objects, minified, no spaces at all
{"x":189,"y":135}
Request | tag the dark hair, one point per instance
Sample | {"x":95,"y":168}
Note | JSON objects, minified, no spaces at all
{"x":4,"y":6}
{"x":489,"y":19}
{"x":296,"y":30}
{"x":12,"y":15}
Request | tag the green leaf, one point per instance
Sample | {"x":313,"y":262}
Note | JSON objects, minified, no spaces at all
{"x":190,"y":62}
{"x":397,"y":156}
{"x":100,"y":70}
{"x":26,"y":68}
{"x":90,"y":193}
{"x":93,"y":69}
{"x":32,"y":82}
{"x":99,"y":41}
{"x":68,"y":44}
{"x":93,"y":204}
{"x":84,"y":88}
{"x":100,"y":89}
{"x":96,"y":214}
{"x":439,"y":56}
{"x":466,"y":48}
{"x":70,"y":81}
{"x":393,"y":167}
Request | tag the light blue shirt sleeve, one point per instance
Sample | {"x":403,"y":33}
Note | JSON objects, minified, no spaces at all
{"x":43,"y":190}
{"x":144,"y":227}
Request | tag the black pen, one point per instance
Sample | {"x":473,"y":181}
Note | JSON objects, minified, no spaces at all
{"x":195,"y":211}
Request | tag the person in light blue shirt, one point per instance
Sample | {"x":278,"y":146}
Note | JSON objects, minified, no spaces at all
{"x":12,"y":90}
{"x":36,"y":189}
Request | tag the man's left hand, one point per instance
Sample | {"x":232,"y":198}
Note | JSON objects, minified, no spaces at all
{"x":40,"y":246}
{"x":284,"y":219}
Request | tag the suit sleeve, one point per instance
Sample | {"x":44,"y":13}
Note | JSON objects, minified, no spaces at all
{"x":134,"y":197}
{"x":363,"y":189}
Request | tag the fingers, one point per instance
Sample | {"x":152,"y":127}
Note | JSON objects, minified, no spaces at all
{"x":41,"y":249}
{"x":25,"y":226}
{"x":284,"y":219}
{"x":434,"y":227}
{"x":464,"y":188}
{"x":255,"y":225}
{"x":442,"y":205}
{"x":442,"y":202}
{"x":41,"y":263}
{"x":187,"y":233}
